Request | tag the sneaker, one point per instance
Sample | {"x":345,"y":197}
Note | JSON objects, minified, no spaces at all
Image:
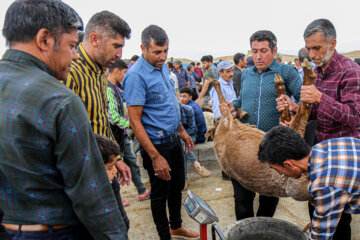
{"x":125,"y":203}
{"x":183,"y":233}
{"x":202,"y":171}
{"x":144,"y":196}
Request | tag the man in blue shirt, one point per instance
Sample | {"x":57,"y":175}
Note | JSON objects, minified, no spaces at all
{"x":155,"y":119}
{"x":257,"y":97}
{"x":225,"y":69}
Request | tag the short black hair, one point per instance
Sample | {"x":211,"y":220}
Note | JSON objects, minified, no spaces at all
{"x":156,"y":33}
{"x":170,"y":64}
{"x":192,"y":63}
{"x":211,"y":58}
{"x":188,"y":67}
{"x":107,"y":147}
{"x":238,"y":57}
{"x":134,"y":58}
{"x":357,"y":60}
{"x":108,"y":23}
{"x":304,"y":53}
{"x":264,"y":35}
{"x":24,"y":19}
{"x":186,"y":90}
{"x":324,"y":26}
{"x":205,"y":58}
{"x":282,"y":143}
{"x":119,"y":63}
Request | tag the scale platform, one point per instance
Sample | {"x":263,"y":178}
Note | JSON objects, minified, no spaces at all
{"x":199,"y":210}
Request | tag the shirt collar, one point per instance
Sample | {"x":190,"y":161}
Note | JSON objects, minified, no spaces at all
{"x":224,"y":82}
{"x":273,"y":67}
{"x":83,"y":56}
{"x":147,"y":66}
{"x":26,"y":58}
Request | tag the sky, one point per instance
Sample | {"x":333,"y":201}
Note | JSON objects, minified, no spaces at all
{"x":222,"y":28}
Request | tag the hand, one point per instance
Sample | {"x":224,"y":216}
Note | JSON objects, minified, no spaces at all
{"x":189,"y":144}
{"x":223,"y":106}
{"x":124,"y":173}
{"x":161,"y":168}
{"x":285,"y":101}
{"x":310,"y":94}
{"x":307,"y":227}
{"x":198,"y":100}
{"x":286,"y":123}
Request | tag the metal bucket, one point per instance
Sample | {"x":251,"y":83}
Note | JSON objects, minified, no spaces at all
{"x":263,"y":228}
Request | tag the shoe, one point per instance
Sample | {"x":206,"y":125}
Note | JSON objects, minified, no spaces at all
{"x":144,"y":196}
{"x":125,"y":203}
{"x":183,"y":233}
{"x":202,"y":171}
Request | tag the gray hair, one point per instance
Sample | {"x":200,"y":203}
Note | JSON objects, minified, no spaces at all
{"x":324,"y":26}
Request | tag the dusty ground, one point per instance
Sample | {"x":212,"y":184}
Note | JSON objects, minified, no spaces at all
{"x":142,"y":226}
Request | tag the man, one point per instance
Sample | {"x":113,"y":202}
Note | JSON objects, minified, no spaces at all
{"x":302,"y":54}
{"x":257,"y":97}
{"x":53,"y":184}
{"x":190,"y":71}
{"x":209,"y":75}
{"x":297,"y":63}
{"x":225,"y":69}
{"x":104,"y":39}
{"x":181,"y":74}
{"x":155,"y":119}
{"x":186,"y":98}
{"x":335,"y":95}
{"x":198,"y":71}
{"x":133,"y":61}
{"x":119,"y":123}
{"x":213,"y":66}
{"x":334,"y":174}
{"x":239,"y":64}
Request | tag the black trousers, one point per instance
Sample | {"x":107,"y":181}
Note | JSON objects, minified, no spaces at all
{"x":166,"y":191}
{"x":244,"y":203}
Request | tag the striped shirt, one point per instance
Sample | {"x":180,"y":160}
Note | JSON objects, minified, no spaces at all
{"x":88,"y":80}
{"x":334,"y":174}
{"x":51,"y":170}
{"x":338,"y":113}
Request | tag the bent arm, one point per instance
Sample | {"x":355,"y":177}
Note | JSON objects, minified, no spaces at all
{"x":204,"y":90}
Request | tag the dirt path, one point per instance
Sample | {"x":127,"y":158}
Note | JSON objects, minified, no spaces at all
{"x":142,"y":226}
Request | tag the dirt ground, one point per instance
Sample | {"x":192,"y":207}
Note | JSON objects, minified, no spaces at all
{"x":219,"y":195}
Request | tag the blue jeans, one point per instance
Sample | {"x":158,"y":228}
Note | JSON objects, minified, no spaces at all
{"x":189,"y":157}
{"x":70,"y":233}
{"x":130,"y":159}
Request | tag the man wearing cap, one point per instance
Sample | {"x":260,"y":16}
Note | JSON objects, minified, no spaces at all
{"x":226,"y":72}
{"x":181,"y":74}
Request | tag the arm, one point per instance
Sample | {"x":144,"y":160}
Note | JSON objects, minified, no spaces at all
{"x":200,"y":124}
{"x":329,"y":205}
{"x":189,"y":144}
{"x":113,"y":111}
{"x":82,"y":169}
{"x":72,"y":80}
{"x":215,"y":103}
{"x":203,"y":91}
{"x":160,"y":165}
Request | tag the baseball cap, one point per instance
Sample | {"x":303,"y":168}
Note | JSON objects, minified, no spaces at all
{"x":224,"y":65}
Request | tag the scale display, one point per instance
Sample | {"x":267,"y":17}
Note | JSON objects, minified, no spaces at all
{"x":199,"y":210}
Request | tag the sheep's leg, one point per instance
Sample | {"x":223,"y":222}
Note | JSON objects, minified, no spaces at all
{"x":301,"y":118}
{"x":280,"y":89}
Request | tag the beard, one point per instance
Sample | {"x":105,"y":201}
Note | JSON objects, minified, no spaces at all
{"x":326,"y":59}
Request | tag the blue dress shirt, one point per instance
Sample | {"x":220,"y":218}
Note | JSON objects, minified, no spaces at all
{"x":227,"y":90}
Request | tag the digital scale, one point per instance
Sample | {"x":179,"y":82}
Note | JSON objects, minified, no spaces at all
{"x":201,"y":212}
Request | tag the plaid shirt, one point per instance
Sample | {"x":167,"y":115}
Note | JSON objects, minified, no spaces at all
{"x":51,"y":170}
{"x":334,"y":172}
{"x":188,"y":119}
{"x":338,"y":113}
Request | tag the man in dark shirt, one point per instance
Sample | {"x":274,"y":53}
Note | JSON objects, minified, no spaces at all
{"x":239,"y":64}
{"x":53,"y":183}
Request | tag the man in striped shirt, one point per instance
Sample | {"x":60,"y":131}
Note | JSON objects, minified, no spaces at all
{"x":104,"y":39}
{"x":333,"y":168}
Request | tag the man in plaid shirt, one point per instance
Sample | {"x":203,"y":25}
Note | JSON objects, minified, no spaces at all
{"x":333,"y":168}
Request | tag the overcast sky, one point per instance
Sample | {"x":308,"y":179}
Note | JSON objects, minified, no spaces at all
{"x":223,"y":27}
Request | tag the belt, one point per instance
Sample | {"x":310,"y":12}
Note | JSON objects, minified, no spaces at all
{"x":30,"y":228}
{"x":169,"y":139}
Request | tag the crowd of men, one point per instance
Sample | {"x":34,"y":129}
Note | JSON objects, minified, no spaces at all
{"x":65,"y":148}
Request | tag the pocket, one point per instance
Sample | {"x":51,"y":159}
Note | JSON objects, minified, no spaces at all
{"x":156,"y":94}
